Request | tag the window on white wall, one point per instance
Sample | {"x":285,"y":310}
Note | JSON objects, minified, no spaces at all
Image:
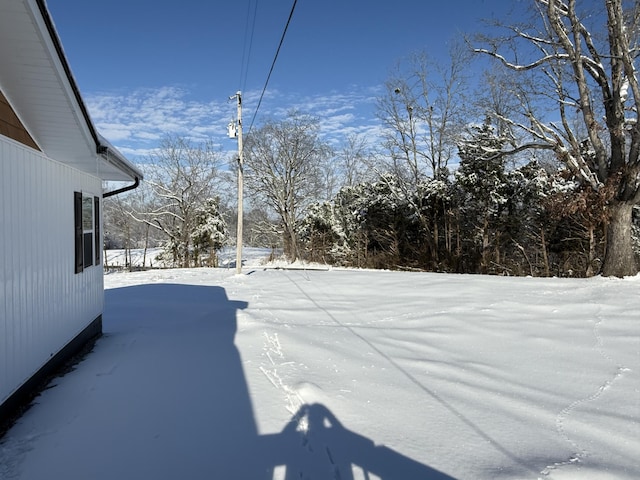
{"x":87,"y":230}
{"x":96,"y":229}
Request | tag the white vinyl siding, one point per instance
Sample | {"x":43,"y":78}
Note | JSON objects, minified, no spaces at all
{"x":43,"y":303}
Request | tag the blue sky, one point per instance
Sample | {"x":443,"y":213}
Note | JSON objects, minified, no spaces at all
{"x":149,"y":68}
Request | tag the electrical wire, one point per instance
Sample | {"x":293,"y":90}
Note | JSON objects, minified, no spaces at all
{"x":246,"y":52}
{"x":266,"y":83}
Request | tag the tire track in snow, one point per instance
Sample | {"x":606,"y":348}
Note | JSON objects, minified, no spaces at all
{"x":579,"y":452}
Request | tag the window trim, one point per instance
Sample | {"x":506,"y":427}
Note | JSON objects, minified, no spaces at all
{"x":77,"y":218}
{"x":96,"y":231}
{"x":86,"y":238}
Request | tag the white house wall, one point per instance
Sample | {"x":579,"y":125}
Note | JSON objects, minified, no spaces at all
{"x":43,"y":303}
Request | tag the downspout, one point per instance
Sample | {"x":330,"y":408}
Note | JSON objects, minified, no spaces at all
{"x":122,"y":190}
{"x":112,"y":157}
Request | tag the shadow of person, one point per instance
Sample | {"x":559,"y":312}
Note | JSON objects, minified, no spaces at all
{"x":315,"y":445}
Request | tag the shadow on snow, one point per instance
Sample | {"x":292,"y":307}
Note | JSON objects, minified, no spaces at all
{"x":186,"y":411}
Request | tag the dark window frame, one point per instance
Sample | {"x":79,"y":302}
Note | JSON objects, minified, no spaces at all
{"x":96,"y":230}
{"x":87,"y":242}
{"x":77,"y":218}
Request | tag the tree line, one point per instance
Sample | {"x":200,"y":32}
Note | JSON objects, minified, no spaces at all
{"x":178,"y":207}
{"x":485,"y":218}
{"x":535,"y":171}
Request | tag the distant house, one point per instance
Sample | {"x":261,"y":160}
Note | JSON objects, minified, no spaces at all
{"x":52,"y":166}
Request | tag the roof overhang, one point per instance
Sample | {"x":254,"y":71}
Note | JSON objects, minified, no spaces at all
{"x":36,"y":79}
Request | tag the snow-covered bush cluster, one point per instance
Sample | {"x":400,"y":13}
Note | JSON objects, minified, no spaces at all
{"x":485,"y":218}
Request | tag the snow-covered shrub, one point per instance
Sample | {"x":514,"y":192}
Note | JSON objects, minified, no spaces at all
{"x":209,"y":233}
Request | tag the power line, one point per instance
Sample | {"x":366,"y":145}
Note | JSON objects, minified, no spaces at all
{"x":293,"y":7}
{"x":246,"y":52}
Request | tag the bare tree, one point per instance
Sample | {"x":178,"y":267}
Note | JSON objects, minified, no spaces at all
{"x":423,"y":110}
{"x":119,"y":227}
{"x":355,"y":160}
{"x":497,"y":98}
{"x":352,"y":162}
{"x":183,"y":177}
{"x":282,"y":161}
{"x":586,"y":61}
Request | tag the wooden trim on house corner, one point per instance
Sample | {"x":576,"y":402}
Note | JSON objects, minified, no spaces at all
{"x":11,"y":126}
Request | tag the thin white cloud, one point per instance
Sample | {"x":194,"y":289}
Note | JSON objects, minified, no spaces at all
{"x":136,"y":121}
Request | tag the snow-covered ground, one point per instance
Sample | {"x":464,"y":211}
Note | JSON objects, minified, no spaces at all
{"x":344,"y":374}
{"x":140,"y":258}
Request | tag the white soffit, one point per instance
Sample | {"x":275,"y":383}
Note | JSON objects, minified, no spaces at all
{"x":41,"y":91}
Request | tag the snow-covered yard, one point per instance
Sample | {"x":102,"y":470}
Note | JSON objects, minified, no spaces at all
{"x":343,"y":374}
{"x":140,"y":258}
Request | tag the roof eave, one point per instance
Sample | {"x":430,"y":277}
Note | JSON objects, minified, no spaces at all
{"x":102,"y":147}
{"x":113,"y":157}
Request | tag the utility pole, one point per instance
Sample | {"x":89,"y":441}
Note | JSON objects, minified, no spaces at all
{"x":238,"y":134}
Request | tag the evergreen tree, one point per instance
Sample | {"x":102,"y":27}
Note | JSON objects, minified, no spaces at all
{"x":482,"y":184}
{"x":209,"y":233}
